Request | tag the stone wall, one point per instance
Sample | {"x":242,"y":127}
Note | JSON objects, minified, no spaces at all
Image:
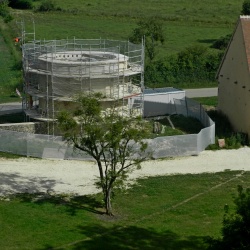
{"x":26,"y":127}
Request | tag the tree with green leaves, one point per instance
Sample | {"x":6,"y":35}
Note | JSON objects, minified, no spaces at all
{"x":115,"y":142}
{"x":246,"y":8}
{"x":152,"y":30}
{"x":236,"y":225}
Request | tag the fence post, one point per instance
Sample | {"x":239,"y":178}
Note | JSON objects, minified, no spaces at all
{"x":186,"y":105}
{"x":200,"y":114}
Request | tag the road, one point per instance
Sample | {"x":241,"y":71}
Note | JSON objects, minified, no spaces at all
{"x":203,"y":92}
{"x":8,"y":108}
{"x":78,"y":177}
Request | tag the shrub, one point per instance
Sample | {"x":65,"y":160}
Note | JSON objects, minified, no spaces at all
{"x":235,"y":229}
{"x":4,"y":11}
{"x":246,"y":7}
{"x":193,"y":64}
{"x":20,"y":4}
{"x":48,"y":5}
{"x":222,"y":42}
{"x":7,"y":18}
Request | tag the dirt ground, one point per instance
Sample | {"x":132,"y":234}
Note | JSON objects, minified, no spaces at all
{"x":77,"y":177}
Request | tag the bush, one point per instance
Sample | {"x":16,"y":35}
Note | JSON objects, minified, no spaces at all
{"x":194,"y":64}
{"x":20,"y":4}
{"x":246,"y":8}
{"x":7,"y":18}
{"x":4,"y":11}
{"x":48,"y":5}
{"x":222,"y":42}
{"x":235,"y":229}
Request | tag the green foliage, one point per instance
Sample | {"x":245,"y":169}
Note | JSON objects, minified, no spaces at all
{"x":152,"y":30}
{"x":20,"y":4}
{"x":236,"y":225}
{"x":9,"y":155}
{"x":4,"y":11}
{"x":245,"y":8}
{"x":112,"y":140}
{"x":48,"y":5}
{"x":222,"y":42}
{"x":10,"y":74}
{"x":236,"y":140}
{"x":193,"y":64}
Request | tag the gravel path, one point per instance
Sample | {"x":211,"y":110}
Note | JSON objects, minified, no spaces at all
{"x":77,"y":177}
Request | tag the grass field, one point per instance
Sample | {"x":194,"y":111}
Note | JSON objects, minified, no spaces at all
{"x":207,"y":101}
{"x":10,"y":77}
{"x":185,"y":24}
{"x":171,"y":212}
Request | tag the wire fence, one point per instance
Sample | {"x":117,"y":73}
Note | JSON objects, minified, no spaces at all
{"x":47,"y":146}
{"x":181,"y":145}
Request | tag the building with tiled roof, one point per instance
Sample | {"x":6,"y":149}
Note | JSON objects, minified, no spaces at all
{"x":234,"y":78}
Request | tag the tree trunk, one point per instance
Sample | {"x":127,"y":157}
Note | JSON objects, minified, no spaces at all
{"x":108,"y":206}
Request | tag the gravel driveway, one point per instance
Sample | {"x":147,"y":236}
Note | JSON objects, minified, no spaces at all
{"x":77,"y":177}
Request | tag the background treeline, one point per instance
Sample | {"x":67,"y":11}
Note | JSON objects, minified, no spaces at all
{"x":193,"y":67}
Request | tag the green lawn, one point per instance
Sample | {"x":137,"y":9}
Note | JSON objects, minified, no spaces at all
{"x":9,"y":75}
{"x":180,"y":31}
{"x":171,"y":212}
{"x":207,"y":101}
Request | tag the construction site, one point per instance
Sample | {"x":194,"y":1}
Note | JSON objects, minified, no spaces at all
{"x":55,"y":71}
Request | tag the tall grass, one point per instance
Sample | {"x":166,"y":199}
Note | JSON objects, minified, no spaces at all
{"x":10,"y":61}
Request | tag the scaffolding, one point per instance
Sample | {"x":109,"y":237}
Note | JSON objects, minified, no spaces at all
{"x":55,"y":71}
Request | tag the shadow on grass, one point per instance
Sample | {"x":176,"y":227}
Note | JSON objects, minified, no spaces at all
{"x":206,"y":40}
{"x":72,"y":204}
{"x":38,"y":190}
{"x":132,"y":237}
